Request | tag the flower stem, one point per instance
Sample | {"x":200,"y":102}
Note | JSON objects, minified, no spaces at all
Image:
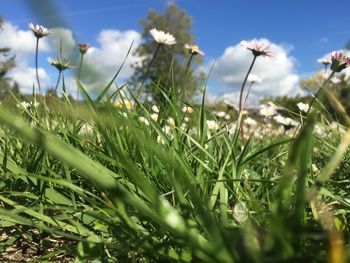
{"x":243,"y":84}
{"x":58,"y":80}
{"x":148,"y":69}
{"x":187,"y":75}
{"x":248,"y":92}
{"x":188,"y":65}
{"x":36,"y":62}
{"x":318,"y":93}
{"x":241,"y":96}
{"x":79,"y":72}
{"x":152,"y":60}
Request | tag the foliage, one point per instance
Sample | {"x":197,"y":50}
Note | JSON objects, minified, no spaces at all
{"x":340,"y":87}
{"x":170,"y":66}
{"x":94,"y":182}
{"x":7,"y":62}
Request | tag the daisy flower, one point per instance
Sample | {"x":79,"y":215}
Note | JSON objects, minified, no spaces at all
{"x":187,"y":109}
{"x":212,"y":125}
{"x":267,"y":110}
{"x":339,"y":61}
{"x":83,"y":48}
{"x":124,"y":102}
{"x":60,"y":64}
{"x":250,"y":122}
{"x":155,"y":109}
{"x":194,"y":49}
{"x":154,"y":116}
{"x":171,"y":121}
{"x":162,"y":38}
{"x":38,"y":30}
{"x":303,"y":106}
{"x":257,"y":48}
{"x":285,"y":121}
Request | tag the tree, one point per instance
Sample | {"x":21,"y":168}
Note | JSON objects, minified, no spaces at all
{"x":339,"y":86}
{"x":7,"y":62}
{"x":171,"y":62}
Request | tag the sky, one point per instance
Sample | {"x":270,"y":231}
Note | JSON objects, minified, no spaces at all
{"x":298,"y":32}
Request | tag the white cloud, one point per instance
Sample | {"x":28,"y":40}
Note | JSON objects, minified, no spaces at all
{"x":25,"y":77}
{"x":64,"y":36}
{"x":22,"y":44}
{"x":102,"y":60}
{"x":107,"y":58}
{"x":277,"y":72}
{"x":71,"y":86}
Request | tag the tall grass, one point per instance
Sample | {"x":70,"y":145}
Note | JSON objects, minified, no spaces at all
{"x":93,"y":182}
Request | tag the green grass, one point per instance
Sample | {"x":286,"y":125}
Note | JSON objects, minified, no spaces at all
{"x":109,"y":188}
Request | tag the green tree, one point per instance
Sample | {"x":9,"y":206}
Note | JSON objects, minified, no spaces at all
{"x":7,"y":62}
{"x":170,"y":65}
{"x":339,"y":86}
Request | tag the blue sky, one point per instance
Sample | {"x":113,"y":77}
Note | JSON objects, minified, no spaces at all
{"x":306,"y":30}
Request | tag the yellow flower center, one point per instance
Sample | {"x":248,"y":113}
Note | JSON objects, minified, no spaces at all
{"x":195,"y":48}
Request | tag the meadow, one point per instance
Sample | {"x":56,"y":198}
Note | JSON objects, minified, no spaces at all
{"x":114,"y":178}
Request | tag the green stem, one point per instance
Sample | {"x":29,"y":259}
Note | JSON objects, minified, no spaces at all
{"x":188,"y":65}
{"x":148,"y":69}
{"x":36,"y":63}
{"x":187,"y":75}
{"x":318,"y":93}
{"x":244,"y":82}
{"x":241,"y":96}
{"x":79,"y":72}
{"x":58,"y":80}
{"x":248,"y":92}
